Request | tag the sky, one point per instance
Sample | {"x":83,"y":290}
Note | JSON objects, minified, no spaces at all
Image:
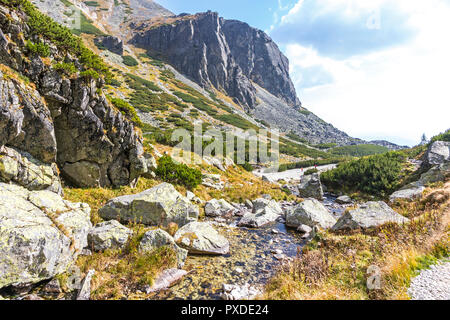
{"x":376,"y":69}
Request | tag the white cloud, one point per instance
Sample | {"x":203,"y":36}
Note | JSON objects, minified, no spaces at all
{"x":396,"y":93}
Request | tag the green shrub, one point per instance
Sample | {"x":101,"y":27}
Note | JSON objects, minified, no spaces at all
{"x":59,"y":35}
{"x":311,"y":171}
{"x":247,"y":167}
{"x":376,"y":175}
{"x":359,"y":150}
{"x":67,"y":68}
{"x":306,"y":164}
{"x":181,"y":174}
{"x":39,"y":48}
{"x":441,"y":137}
{"x":126,"y":109}
{"x":130,"y":61}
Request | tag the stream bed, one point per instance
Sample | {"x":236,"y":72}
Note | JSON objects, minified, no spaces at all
{"x":251,"y":259}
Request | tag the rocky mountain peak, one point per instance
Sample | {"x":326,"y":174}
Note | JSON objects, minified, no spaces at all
{"x":225,"y":54}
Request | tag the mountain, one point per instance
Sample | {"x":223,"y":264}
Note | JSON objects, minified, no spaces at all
{"x":52,"y":106}
{"x":229,"y":58}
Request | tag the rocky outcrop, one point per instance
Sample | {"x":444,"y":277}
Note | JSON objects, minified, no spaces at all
{"x":40,"y":234}
{"x":217,"y":208}
{"x":108,"y":235}
{"x":311,"y":213}
{"x":227,"y":55}
{"x":438,"y":164}
{"x":111,"y":43}
{"x":66,"y":120}
{"x":22,"y":169}
{"x":160,"y":205}
{"x":158,"y":238}
{"x":260,"y":59}
{"x":369,"y":215}
{"x":311,"y":187}
{"x":201,"y":238}
{"x":438,"y":153}
{"x":264,"y":212}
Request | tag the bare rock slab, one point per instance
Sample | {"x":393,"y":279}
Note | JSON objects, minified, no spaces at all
{"x":160,"y":205}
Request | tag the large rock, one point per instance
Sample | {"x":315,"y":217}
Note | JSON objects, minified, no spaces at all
{"x":22,"y":169}
{"x":111,"y":43}
{"x":25,"y":121}
{"x":201,"y":238}
{"x":158,"y":238}
{"x":311,"y":187}
{"x":40,"y":234}
{"x":108,"y":235}
{"x":409,"y":192}
{"x":311,"y":213}
{"x":160,"y":205}
{"x":438,"y":153}
{"x":415,"y":189}
{"x":166,"y":279}
{"x":217,"y":208}
{"x":264,"y":212}
{"x":369,"y":215}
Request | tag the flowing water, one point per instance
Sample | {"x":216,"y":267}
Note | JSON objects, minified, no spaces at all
{"x":251,"y":251}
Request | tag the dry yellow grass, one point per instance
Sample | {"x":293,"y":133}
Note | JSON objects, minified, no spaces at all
{"x":335,"y":266}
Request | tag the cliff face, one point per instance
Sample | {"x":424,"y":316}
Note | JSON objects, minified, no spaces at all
{"x":60,"y":118}
{"x":227,"y":55}
{"x":260,"y":59}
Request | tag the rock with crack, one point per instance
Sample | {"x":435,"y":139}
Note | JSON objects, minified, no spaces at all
{"x":85,"y":291}
{"x":111,"y":43}
{"x":369,"y":215}
{"x":438,"y":153}
{"x":40,"y":234}
{"x":264,"y":212}
{"x":166,"y":279}
{"x":201,"y":238}
{"x":311,"y":213}
{"x":160,"y":205}
{"x":22,"y":169}
{"x":108,"y":235}
{"x":217,"y":208}
{"x":158,"y":238}
{"x":311,"y":187}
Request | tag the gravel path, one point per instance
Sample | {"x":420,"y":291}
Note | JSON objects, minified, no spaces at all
{"x":432,"y":284}
{"x":294,"y":174}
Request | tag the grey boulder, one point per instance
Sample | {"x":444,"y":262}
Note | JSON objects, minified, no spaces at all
{"x":369,"y":215}
{"x":160,"y":205}
{"x":438,"y":153}
{"x":108,"y":235}
{"x":158,"y":238}
{"x":217,"y":208}
{"x":201,"y":238}
{"x":40,"y":234}
{"x":311,"y":187}
{"x":22,"y":169}
{"x":311,"y":213}
{"x":264,"y":212}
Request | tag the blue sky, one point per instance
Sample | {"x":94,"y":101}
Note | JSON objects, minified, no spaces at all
{"x":377,"y":69}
